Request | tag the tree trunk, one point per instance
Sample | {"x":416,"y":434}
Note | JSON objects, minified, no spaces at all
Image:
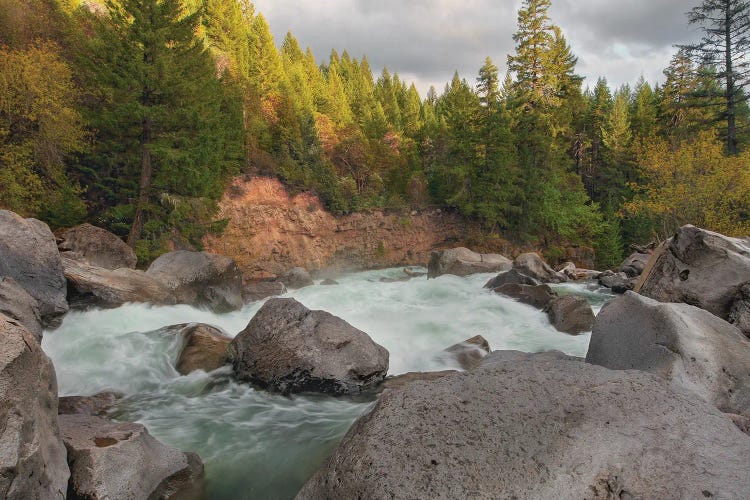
{"x":731,"y":104}
{"x":144,"y":188}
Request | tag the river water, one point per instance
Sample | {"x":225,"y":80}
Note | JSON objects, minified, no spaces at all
{"x":261,"y":445}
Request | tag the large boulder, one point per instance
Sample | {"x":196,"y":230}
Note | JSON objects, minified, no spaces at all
{"x":200,"y":279}
{"x":532,"y":426}
{"x":570,"y":314}
{"x":28,"y":254}
{"x":296,"y":277}
{"x":90,"y":286}
{"x":253,"y":292}
{"x":20,"y":306}
{"x":538,"y":296}
{"x":288,"y":348}
{"x":532,"y":265}
{"x":204,"y":348}
{"x":635,"y":264}
{"x":122,"y":460}
{"x":701,"y":268}
{"x":514,"y":277}
{"x":96,"y":246}
{"x":32,"y":455}
{"x":690,"y":347}
{"x":463,"y":262}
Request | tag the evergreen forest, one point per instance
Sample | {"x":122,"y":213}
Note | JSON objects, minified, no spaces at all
{"x":135,"y":115}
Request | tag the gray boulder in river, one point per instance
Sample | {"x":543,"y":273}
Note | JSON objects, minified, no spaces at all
{"x":538,"y":426}
{"x":19,"y":305}
{"x":288,"y":348}
{"x":253,"y":292}
{"x":28,"y":254}
{"x":200,"y":279}
{"x":296,"y":277}
{"x":32,"y":454}
{"x":204,"y":347}
{"x":122,"y":460}
{"x":95,"y":246}
{"x":538,"y":296}
{"x":532,"y":265}
{"x":464,"y":262}
{"x":693,"y":349}
{"x":90,"y":286}
{"x":570,"y":314}
{"x":513,"y":276}
{"x":699,"y":267}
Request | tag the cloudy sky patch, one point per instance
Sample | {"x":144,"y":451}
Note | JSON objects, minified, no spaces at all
{"x":425,"y":41}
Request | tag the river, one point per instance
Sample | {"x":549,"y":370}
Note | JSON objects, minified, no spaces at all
{"x":258,"y":445}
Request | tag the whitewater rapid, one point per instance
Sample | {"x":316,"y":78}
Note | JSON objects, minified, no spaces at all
{"x":261,"y":445}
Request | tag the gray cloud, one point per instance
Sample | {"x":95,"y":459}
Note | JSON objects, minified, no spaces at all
{"x":427,"y":40}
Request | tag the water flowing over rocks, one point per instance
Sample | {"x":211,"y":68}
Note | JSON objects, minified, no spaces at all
{"x":28,"y":254}
{"x":204,"y":347}
{"x":532,"y":426}
{"x":95,"y":246}
{"x":570,"y":314}
{"x":32,"y":455}
{"x":701,"y":268}
{"x":122,"y":460}
{"x":288,"y":348}
{"x":464,"y":262}
{"x":200,"y":279}
{"x":20,"y":306}
{"x":296,"y":277}
{"x":530,"y":264}
{"x":469,"y":353}
{"x":90,"y":286}
{"x":693,"y":349}
{"x":253,"y":292}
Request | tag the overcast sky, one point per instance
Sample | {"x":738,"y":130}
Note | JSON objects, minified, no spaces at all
{"x":425,"y":41}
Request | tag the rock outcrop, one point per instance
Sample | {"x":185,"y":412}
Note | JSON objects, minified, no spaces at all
{"x":28,"y":254}
{"x":270,"y":231}
{"x":32,"y":455}
{"x":288,"y":348}
{"x":530,"y":264}
{"x":253,"y":292}
{"x":90,"y":286}
{"x":532,"y":426}
{"x":693,"y":349}
{"x":200,"y":279}
{"x":122,"y":460}
{"x":205,"y":348}
{"x":464,"y":262}
{"x":20,"y":306}
{"x":570,"y":314}
{"x":95,"y":246}
{"x":701,"y":268}
{"x":296,"y":277}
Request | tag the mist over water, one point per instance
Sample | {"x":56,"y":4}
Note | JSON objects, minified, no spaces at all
{"x":260,"y":445}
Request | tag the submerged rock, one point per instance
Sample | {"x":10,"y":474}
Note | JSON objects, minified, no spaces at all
{"x":96,"y":246}
{"x":296,"y":277}
{"x":205,"y":348}
{"x":32,"y":455}
{"x":570,"y":314}
{"x":253,"y":292}
{"x":530,"y":264}
{"x":329,"y":282}
{"x":90,"y":286}
{"x":700,"y":268}
{"x":514,"y":276}
{"x":28,"y":254}
{"x":463,"y":262}
{"x":538,"y":296}
{"x":470,"y":352}
{"x":693,"y":349}
{"x":122,"y":460}
{"x":288,"y":348}
{"x":20,"y":306}
{"x":200,"y":279}
{"x":532,"y":426}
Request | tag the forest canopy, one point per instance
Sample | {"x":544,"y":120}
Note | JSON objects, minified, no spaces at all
{"x":135,"y":115}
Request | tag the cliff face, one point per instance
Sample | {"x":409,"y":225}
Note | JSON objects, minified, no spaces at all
{"x":270,"y":231}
